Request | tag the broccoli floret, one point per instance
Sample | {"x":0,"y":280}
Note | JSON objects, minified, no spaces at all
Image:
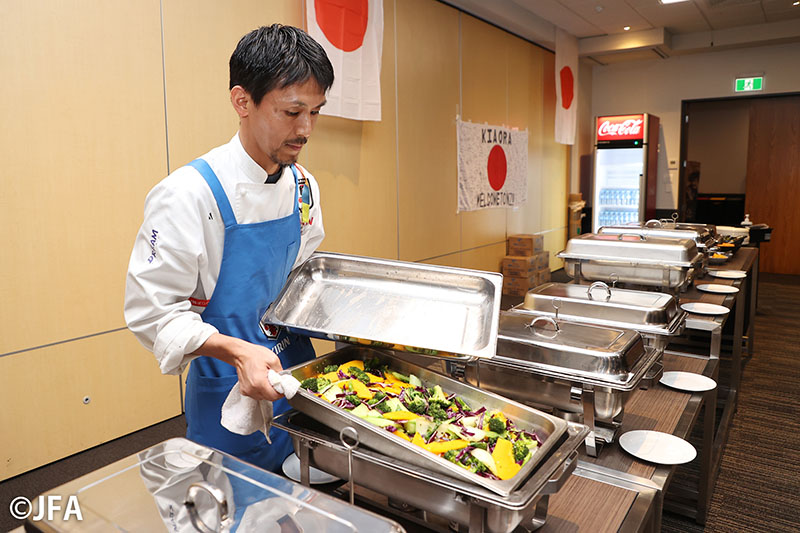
{"x":359,"y":374}
{"x":352,"y":398}
{"x":521,"y":451}
{"x":473,"y":464}
{"x":437,"y":395}
{"x":378,"y":397}
{"x":436,"y":411}
{"x":481,"y":445}
{"x":374,"y":366}
{"x":382,"y":407}
{"x":330,"y":368}
{"x":491,"y":441}
{"x":451,"y":455}
{"x":462,"y":404}
{"x":496,"y":425}
{"x":415,"y":402}
{"x":315,"y":384}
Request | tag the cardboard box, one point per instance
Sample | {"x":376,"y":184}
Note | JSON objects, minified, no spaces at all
{"x":519,"y":286}
{"x":542,"y":259}
{"x":525,"y":244}
{"x":518,"y":263}
{"x":542,"y":276}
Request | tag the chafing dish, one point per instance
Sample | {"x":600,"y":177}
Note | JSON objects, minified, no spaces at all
{"x":655,"y":315}
{"x":447,"y":497}
{"x":702,"y":236}
{"x":404,"y":306}
{"x":580,"y":372}
{"x":547,"y":427}
{"x":667,"y":264}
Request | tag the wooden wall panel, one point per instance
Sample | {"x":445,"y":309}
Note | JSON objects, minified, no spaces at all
{"x":485,"y":257}
{"x":44,"y":417}
{"x":199,"y":38}
{"x":484,"y":93}
{"x":555,"y":168}
{"x":83,"y":129}
{"x":427,"y":69}
{"x":354,"y":163}
{"x":773,"y":179}
{"x":526,"y":106}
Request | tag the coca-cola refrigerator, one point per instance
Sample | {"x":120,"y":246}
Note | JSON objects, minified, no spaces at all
{"x":625,"y":167}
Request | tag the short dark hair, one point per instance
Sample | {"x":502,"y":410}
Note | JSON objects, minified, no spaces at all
{"x":277,"y":56}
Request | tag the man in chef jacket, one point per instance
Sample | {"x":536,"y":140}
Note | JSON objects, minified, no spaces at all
{"x":221,"y":235}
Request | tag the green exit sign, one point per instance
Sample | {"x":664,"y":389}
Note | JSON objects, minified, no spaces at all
{"x":749,"y":84}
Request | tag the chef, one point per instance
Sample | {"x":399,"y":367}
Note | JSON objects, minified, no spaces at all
{"x":220,"y":236}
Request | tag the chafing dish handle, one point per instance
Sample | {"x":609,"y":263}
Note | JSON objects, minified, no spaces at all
{"x":560,"y":477}
{"x":641,"y":236}
{"x":218,"y":495}
{"x":532,"y":325}
{"x":599,"y":285}
{"x":653,"y":223}
{"x":652,"y":376}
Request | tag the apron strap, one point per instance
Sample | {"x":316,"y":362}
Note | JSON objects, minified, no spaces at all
{"x":228,"y":218}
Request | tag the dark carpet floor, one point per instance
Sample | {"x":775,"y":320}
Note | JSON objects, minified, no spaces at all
{"x":758,"y":489}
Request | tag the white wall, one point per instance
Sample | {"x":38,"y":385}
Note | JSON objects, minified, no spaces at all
{"x":658,"y":87}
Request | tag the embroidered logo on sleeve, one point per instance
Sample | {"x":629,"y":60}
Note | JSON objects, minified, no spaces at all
{"x":153,"y":243}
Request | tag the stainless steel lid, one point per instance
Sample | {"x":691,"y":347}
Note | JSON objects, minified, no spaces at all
{"x":600,"y":355}
{"x":700,"y":234}
{"x":633,"y":248}
{"x":643,"y":311}
{"x":429,"y":309}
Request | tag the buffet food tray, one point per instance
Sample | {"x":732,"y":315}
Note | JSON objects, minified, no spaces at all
{"x":702,"y":236}
{"x":635,"y":259}
{"x":429,"y":309}
{"x":656,"y":316}
{"x":442,"y":495}
{"x":547,"y":427}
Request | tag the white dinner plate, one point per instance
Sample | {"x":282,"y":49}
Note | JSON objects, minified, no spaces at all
{"x":657,"y":447}
{"x":728,"y":274}
{"x":717,"y":288}
{"x":291,"y":467}
{"x":687,"y":381}
{"x":702,"y":308}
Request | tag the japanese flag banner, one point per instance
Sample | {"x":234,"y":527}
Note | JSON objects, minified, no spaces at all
{"x":492,"y":166}
{"x":351,"y":32}
{"x":566,"y":86}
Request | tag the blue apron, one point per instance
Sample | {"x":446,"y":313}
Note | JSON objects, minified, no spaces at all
{"x":256,"y":261}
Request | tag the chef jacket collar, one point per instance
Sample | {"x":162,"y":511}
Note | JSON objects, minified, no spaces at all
{"x":251,"y":169}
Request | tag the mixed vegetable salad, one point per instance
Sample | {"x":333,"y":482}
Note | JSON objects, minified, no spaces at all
{"x":482,"y":441}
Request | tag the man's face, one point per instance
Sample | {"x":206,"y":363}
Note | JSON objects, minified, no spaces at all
{"x":274,"y":132}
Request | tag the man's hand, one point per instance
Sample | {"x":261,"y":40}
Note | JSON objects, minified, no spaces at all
{"x":252,"y":362}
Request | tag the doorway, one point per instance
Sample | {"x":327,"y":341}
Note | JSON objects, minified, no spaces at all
{"x":742,"y":156}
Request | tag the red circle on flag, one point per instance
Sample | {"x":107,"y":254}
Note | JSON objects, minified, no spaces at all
{"x":344,"y":22}
{"x":567,"y":87}
{"x":496,"y":166}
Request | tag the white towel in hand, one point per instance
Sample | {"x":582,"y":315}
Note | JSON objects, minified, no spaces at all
{"x":244,"y":415}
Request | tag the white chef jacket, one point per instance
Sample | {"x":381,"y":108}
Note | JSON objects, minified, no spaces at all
{"x":178,"y":250}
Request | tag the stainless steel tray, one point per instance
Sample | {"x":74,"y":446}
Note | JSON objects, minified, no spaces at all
{"x":414,"y":307}
{"x":444,"y":496}
{"x":603,"y":356}
{"x":701,"y":236}
{"x":547,"y":427}
{"x":634,"y":249}
{"x":649,"y":313}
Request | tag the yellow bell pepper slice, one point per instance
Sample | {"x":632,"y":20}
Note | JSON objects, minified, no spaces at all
{"x":356,"y":386}
{"x":419,"y":441}
{"x":331,"y":376}
{"x":400,"y":415}
{"x":446,"y":446}
{"x":402,"y":434}
{"x":374,"y":379}
{"x":503,"y":456}
{"x":355,"y":362}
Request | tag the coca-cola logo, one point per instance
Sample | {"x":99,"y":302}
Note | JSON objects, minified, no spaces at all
{"x":627,"y":127}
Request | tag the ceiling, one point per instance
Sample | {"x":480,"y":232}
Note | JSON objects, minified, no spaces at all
{"x":656,"y":30}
